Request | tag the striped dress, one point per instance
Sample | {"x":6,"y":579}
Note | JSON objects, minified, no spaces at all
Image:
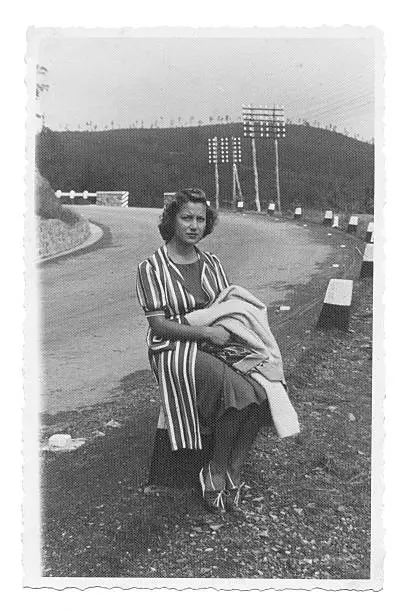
{"x":160,"y":289}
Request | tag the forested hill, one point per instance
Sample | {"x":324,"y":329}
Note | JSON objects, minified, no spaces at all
{"x":318,"y":167}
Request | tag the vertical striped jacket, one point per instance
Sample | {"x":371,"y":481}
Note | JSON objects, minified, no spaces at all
{"x":160,"y":289}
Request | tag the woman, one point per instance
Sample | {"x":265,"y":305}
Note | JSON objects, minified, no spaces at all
{"x":198,"y":389}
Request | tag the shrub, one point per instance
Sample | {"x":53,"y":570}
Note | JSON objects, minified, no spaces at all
{"x":68,"y":216}
{"x":47,"y":205}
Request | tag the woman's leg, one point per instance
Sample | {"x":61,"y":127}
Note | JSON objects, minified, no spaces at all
{"x":241,"y":447}
{"x":226,"y":432}
{"x":234,"y":436}
{"x":218,"y":386}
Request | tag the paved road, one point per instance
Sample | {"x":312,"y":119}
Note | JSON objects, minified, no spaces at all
{"x":93,"y":331}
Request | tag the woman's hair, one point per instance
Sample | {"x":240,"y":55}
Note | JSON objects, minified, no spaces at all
{"x":170,"y":210}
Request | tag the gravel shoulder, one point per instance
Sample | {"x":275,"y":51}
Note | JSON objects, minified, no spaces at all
{"x":307,"y":506}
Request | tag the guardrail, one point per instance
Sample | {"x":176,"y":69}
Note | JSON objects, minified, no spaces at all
{"x":103,"y":198}
{"x":74,"y":194}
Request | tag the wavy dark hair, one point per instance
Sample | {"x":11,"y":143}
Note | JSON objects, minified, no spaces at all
{"x":168,"y":216}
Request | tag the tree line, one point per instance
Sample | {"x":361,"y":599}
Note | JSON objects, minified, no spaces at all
{"x":318,"y":167}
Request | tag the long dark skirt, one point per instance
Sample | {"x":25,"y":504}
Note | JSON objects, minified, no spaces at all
{"x":221,"y":388}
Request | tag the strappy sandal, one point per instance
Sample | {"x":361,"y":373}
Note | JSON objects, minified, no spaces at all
{"x":214,"y":500}
{"x":233,"y":495}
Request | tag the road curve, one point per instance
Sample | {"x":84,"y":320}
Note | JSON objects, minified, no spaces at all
{"x":92,"y":329}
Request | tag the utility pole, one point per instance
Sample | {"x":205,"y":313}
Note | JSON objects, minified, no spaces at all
{"x":236,"y":159}
{"x":214,"y":158}
{"x":264,"y":122}
{"x":256,"y":179}
{"x":248,"y":119}
{"x":278,"y":200}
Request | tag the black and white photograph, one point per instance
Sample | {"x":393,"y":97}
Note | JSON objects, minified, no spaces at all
{"x":202,"y":369}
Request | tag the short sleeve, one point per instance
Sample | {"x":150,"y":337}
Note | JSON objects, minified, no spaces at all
{"x":149,"y":290}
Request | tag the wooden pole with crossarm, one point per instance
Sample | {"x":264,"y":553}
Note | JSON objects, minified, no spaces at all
{"x":264,"y":122}
{"x":217,"y":152}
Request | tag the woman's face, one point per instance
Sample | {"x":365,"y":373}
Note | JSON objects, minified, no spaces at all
{"x":190,"y":222}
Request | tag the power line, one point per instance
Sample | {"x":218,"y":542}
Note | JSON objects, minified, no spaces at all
{"x":345,"y":102}
{"x":308,"y":88}
{"x":338,"y":114}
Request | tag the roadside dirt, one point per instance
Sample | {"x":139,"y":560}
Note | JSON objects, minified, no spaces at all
{"x":307,"y":503}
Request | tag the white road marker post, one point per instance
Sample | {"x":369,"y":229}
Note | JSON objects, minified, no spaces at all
{"x":370,"y":232}
{"x":367,"y":266}
{"x":271,"y":208}
{"x":328,"y":217}
{"x":335,"y":221}
{"x":352,"y":224}
{"x":298,"y":213}
{"x":335,"y":312}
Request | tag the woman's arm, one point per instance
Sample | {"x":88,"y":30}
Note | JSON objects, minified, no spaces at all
{"x":163,"y":328}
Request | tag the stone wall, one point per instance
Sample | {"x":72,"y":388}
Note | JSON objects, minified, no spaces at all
{"x":54,"y":236}
{"x":112,"y":198}
{"x":168,"y":197}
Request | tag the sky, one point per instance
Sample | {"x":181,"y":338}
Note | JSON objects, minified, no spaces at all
{"x":127,"y":80}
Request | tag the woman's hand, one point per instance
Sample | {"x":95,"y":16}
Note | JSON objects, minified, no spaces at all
{"x":163,"y":328}
{"x":217,"y":335}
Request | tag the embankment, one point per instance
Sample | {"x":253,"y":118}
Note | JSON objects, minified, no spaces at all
{"x":55,"y":236}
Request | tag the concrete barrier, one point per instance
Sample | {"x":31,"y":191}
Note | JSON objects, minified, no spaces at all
{"x":176,"y":469}
{"x":328,"y":217}
{"x":271,"y":208}
{"x":112,"y":198}
{"x":367,"y":266}
{"x":168,"y":196}
{"x":298,"y":213}
{"x":335,"y":312}
{"x":370,"y":232}
{"x":335,"y":223}
{"x":240,"y":205}
{"x":352,"y":224}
